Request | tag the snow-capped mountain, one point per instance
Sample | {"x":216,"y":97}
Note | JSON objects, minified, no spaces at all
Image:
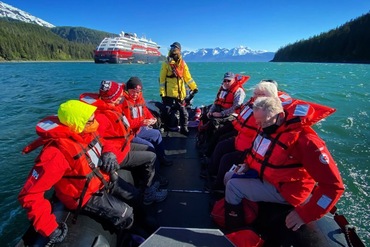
{"x":9,"y":11}
{"x":238,"y":54}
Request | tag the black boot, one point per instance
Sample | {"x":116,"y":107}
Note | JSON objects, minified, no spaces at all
{"x":234,"y":216}
{"x":184,"y":130}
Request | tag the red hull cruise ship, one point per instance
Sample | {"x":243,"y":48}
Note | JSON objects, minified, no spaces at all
{"x":127,"y":48}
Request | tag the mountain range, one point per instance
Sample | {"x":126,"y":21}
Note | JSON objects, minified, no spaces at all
{"x":8,"y":11}
{"x":238,"y":54}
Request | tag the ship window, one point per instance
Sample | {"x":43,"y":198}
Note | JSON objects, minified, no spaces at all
{"x":110,"y":49}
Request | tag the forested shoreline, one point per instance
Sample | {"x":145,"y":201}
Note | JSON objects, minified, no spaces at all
{"x":20,"y":41}
{"x":348,"y":43}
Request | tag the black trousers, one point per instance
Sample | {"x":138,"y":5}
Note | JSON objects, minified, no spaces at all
{"x":174,"y":105}
{"x":110,"y":207}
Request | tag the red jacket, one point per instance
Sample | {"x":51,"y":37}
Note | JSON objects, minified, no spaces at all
{"x":246,"y":125}
{"x":114,"y":127}
{"x":295,"y":160}
{"x":136,"y":111}
{"x":64,"y":159}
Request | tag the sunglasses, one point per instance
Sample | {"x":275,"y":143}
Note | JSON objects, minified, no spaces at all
{"x":90,"y":122}
{"x":228,"y":81}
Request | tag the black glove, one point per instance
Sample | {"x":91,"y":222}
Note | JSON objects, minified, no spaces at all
{"x":195,"y":91}
{"x":59,"y":234}
{"x":109,"y":162}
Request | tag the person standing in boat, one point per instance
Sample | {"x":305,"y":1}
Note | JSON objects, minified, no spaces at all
{"x":173,"y":79}
{"x":70,"y":162}
{"x":292,"y":164}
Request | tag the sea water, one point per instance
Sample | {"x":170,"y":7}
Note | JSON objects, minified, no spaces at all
{"x":31,"y":91}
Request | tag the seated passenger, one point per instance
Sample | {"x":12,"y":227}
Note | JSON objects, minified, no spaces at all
{"x":291,"y":161}
{"x":141,"y":119}
{"x":232,"y":150}
{"x":114,"y":126}
{"x":65,"y":137}
{"x":229,"y":99}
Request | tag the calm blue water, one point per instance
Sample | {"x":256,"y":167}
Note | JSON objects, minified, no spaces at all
{"x":30,"y":91}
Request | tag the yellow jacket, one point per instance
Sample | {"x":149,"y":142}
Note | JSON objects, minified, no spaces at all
{"x":171,"y":85}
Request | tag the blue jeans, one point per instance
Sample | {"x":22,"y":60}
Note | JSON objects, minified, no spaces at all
{"x":152,"y":138}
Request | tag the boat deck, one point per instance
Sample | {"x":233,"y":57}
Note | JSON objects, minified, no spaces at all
{"x":187,"y":204}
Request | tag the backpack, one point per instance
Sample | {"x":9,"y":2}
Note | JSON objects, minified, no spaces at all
{"x":218,"y":212}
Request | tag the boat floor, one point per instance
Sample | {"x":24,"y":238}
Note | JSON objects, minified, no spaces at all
{"x":188,"y":203}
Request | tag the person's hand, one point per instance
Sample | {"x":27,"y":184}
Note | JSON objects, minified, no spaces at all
{"x":109,"y":162}
{"x":59,"y":234}
{"x":149,"y":121}
{"x":241,"y":168}
{"x":217,"y":114}
{"x":153,"y":121}
{"x":293,"y":221}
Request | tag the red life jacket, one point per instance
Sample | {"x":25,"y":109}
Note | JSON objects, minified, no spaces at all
{"x":123,"y":132}
{"x":177,"y":68}
{"x":83,"y":178}
{"x":225,"y":97}
{"x":136,"y":111}
{"x":271,"y":156}
{"x":246,"y":125}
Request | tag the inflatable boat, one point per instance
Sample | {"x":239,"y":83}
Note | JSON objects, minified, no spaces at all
{"x":183,"y":219}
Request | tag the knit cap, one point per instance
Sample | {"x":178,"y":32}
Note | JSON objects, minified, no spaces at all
{"x":110,"y":91}
{"x":134,"y":83}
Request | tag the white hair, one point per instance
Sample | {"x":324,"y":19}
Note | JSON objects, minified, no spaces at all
{"x":270,"y":81}
{"x":270,"y":105}
{"x":267,"y":89}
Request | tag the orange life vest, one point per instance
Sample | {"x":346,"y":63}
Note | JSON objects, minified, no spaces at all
{"x":136,"y":111}
{"x":271,"y":155}
{"x":119,"y":121}
{"x":177,"y":68}
{"x":225,"y":97}
{"x":83,"y":178}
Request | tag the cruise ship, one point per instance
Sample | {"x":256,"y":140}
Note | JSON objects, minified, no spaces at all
{"x":127,"y":48}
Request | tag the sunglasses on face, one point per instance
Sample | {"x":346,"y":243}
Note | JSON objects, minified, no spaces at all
{"x":228,"y":81}
{"x":90,"y":122}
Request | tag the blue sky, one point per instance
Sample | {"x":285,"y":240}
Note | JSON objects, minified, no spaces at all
{"x":259,"y":25}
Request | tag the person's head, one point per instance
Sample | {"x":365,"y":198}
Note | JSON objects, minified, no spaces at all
{"x":266,"y":111}
{"x":111,"y":92}
{"x":134,"y":87}
{"x":270,"y":81}
{"x":78,"y":116}
{"x":228,"y":80}
{"x":175,"y":51}
{"x":265,"y":89}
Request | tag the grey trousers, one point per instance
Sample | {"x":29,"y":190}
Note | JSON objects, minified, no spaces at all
{"x":252,"y":189}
